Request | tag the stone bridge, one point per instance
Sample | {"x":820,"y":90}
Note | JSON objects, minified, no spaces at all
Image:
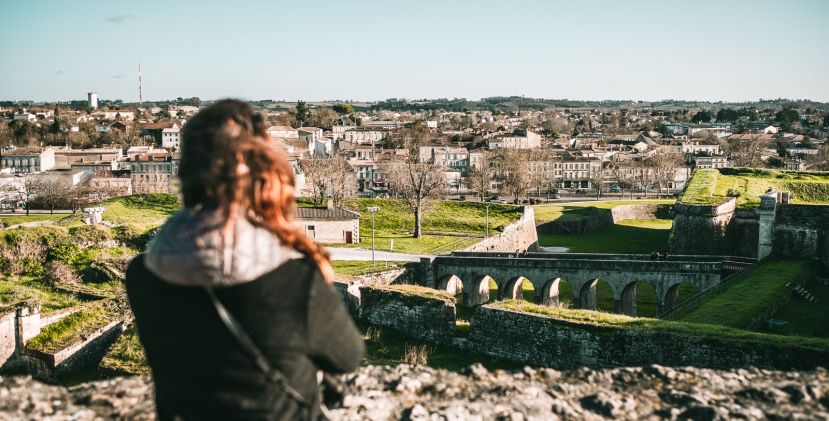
{"x":471,"y":273}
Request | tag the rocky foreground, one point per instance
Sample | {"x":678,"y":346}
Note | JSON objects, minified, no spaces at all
{"x":419,"y":393}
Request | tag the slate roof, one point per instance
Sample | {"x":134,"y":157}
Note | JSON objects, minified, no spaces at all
{"x":336,"y":214}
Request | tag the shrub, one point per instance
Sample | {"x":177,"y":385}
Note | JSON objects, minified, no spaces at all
{"x":91,"y":234}
{"x":22,"y":256}
{"x":30,"y":267}
{"x":63,"y":252}
{"x":733,"y":193}
{"x":134,"y":237}
{"x":58,"y":273}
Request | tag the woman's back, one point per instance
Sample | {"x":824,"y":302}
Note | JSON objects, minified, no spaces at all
{"x":201,"y":371}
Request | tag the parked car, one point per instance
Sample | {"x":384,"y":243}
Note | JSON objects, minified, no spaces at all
{"x":615,"y":189}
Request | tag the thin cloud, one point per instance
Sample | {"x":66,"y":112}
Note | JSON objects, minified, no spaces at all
{"x":59,"y":72}
{"x":116,"y":77}
{"x":119,"y":18}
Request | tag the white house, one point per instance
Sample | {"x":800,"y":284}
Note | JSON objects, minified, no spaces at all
{"x":171,"y":137}
{"x":283,"y":132}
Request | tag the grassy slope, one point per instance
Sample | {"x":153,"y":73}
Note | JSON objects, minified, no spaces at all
{"x":71,"y":329}
{"x":448,"y":225}
{"x":145,"y":211}
{"x":709,"y":186}
{"x":359,"y":267}
{"x":681,"y":328}
{"x":19,"y":219}
{"x":805,"y":318}
{"x":629,"y":236}
{"x":754,"y":292}
{"x":576,"y":210}
{"x":127,"y":355}
{"x":18,"y":290}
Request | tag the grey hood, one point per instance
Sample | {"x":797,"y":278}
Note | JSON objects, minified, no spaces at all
{"x":188,"y":250}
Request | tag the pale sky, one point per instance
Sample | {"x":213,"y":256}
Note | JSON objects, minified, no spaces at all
{"x":370,"y":50}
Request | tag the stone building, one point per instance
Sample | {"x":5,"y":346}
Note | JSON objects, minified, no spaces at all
{"x":27,"y":160}
{"x":153,"y":172}
{"x":329,"y":224}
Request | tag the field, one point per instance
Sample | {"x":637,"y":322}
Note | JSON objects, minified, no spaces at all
{"x":754,"y":292}
{"x":628,"y":236}
{"x":16,"y":290}
{"x":447,"y":225}
{"x":360,"y":267}
{"x":143,"y":211}
{"x":710,"y":186}
{"x":576,"y":210}
{"x":126,"y":356}
{"x":20,"y":219}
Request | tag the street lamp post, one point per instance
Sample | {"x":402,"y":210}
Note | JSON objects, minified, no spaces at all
{"x":487,"y":220}
{"x":373,"y":210}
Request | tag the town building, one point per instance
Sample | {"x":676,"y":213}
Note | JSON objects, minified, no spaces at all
{"x":519,"y":139}
{"x":27,"y":160}
{"x":171,"y":137}
{"x":328,"y":225}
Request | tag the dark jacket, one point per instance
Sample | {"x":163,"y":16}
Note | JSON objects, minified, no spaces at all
{"x":201,"y":372}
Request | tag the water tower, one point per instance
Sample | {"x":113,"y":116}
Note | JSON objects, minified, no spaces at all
{"x":93,"y":100}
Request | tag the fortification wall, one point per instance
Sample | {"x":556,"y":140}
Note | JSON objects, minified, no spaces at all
{"x":600,"y":219}
{"x":641,"y":211}
{"x":701,"y":229}
{"x":544,"y":341}
{"x":49,"y":366}
{"x":427,"y":314}
{"x":517,"y":237}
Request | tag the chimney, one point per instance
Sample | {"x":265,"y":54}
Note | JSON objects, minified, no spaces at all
{"x":330,"y":204}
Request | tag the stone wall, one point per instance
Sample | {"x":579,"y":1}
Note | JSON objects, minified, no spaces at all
{"x":518,"y":236}
{"x":50,"y":366}
{"x":641,"y":211}
{"x":414,"y":311}
{"x":701,"y":229}
{"x":785,"y":230}
{"x":601,"y":219}
{"x":545,"y":341}
{"x":350,"y":293}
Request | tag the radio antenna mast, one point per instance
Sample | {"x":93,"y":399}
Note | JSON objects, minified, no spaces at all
{"x":140,"y":95}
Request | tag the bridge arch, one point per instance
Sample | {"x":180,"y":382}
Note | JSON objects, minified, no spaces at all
{"x":587,"y":295}
{"x":451,"y":284}
{"x":513,"y":289}
{"x":556,"y":292}
{"x":675,"y":294}
{"x":638,"y":299}
{"x":478,"y":291}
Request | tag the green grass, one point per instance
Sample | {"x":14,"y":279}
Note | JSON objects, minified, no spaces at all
{"x":348,"y":268}
{"x":628,"y":236}
{"x":681,"y":328}
{"x":72,"y":328}
{"x":571,"y":211}
{"x":417,"y":291}
{"x":805,"y":318}
{"x":387,"y":347}
{"x":142,"y":210}
{"x":20,"y":219}
{"x":126,"y":356}
{"x":710,"y":186}
{"x":754,"y":292}
{"x":27,"y":289}
{"x":447,"y":225}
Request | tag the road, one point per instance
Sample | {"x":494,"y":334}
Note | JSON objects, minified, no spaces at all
{"x":365,"y":255}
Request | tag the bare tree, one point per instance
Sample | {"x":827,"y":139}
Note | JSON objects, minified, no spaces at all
{"x":596,"y":178}
{"x":664,"y":166}
{"x":417,"y":183}
{"x":515,"y":175}
{"x":327,"y":177}
{"x":747,"y":152}
{"x":51,"y":191}
{"x":480,"y":176}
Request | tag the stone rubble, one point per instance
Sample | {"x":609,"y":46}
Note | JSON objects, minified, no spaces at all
{"x":420,"y":393}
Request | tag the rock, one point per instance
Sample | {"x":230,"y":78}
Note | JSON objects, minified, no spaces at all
{"x":423,"y":393}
